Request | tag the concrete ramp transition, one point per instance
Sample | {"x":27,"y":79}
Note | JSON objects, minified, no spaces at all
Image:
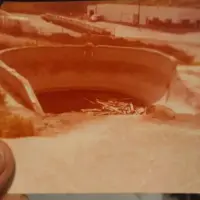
{"x":18,"y":86}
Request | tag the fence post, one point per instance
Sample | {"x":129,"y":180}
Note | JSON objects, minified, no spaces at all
{"x":121,"y":14}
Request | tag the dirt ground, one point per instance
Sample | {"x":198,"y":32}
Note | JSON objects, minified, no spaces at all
{"x":112,"y":154}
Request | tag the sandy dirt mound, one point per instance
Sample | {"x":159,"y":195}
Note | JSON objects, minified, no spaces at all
{"x":184,"y":93}
{"x":3,"y":13}
{"x":9,"y":41}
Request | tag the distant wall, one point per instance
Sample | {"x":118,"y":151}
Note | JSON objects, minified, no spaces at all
{"x":141,"y":73}
{"x":126,"y":13}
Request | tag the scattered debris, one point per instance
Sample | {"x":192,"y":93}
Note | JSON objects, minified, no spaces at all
{"x":128,"y":108}
{"x":114,"y":108}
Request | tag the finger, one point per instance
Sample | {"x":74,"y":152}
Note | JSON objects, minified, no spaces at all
{"x":7,"y":167}
{"x":15,"y":197}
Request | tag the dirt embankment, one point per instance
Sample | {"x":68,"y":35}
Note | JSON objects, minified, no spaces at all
{"x":56,"y":39}
{"x":100,"y":36}
{"x":10,"y":41}
{"x":62,"y":8}
{"x":31,"y":35}
{"x":74,"y":24}
{"x":22,"y":27}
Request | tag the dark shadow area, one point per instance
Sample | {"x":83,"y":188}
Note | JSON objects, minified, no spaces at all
{"x":3,"y":46}
{"x":184,"y":196}
{"x":61,"y":101}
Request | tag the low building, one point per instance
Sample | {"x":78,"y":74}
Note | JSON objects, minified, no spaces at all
{"x":135,"y":14}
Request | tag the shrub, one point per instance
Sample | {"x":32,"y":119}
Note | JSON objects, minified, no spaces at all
{"x":2,"y":98}
{"x":74,"y":25}
{"x":14,"y":126}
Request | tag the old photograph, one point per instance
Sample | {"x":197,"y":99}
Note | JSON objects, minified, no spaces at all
{"x":100,"y":96}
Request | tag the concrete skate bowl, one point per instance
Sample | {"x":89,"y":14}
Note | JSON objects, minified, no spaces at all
{"x":61,"y":76}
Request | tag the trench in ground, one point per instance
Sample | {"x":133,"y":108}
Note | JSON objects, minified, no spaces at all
{"x":74,"y":100}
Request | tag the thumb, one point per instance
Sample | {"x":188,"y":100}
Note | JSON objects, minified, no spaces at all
{"x":7,"y":167}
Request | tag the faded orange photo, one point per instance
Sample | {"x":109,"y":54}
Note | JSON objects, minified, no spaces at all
{"x":100,"y":97}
